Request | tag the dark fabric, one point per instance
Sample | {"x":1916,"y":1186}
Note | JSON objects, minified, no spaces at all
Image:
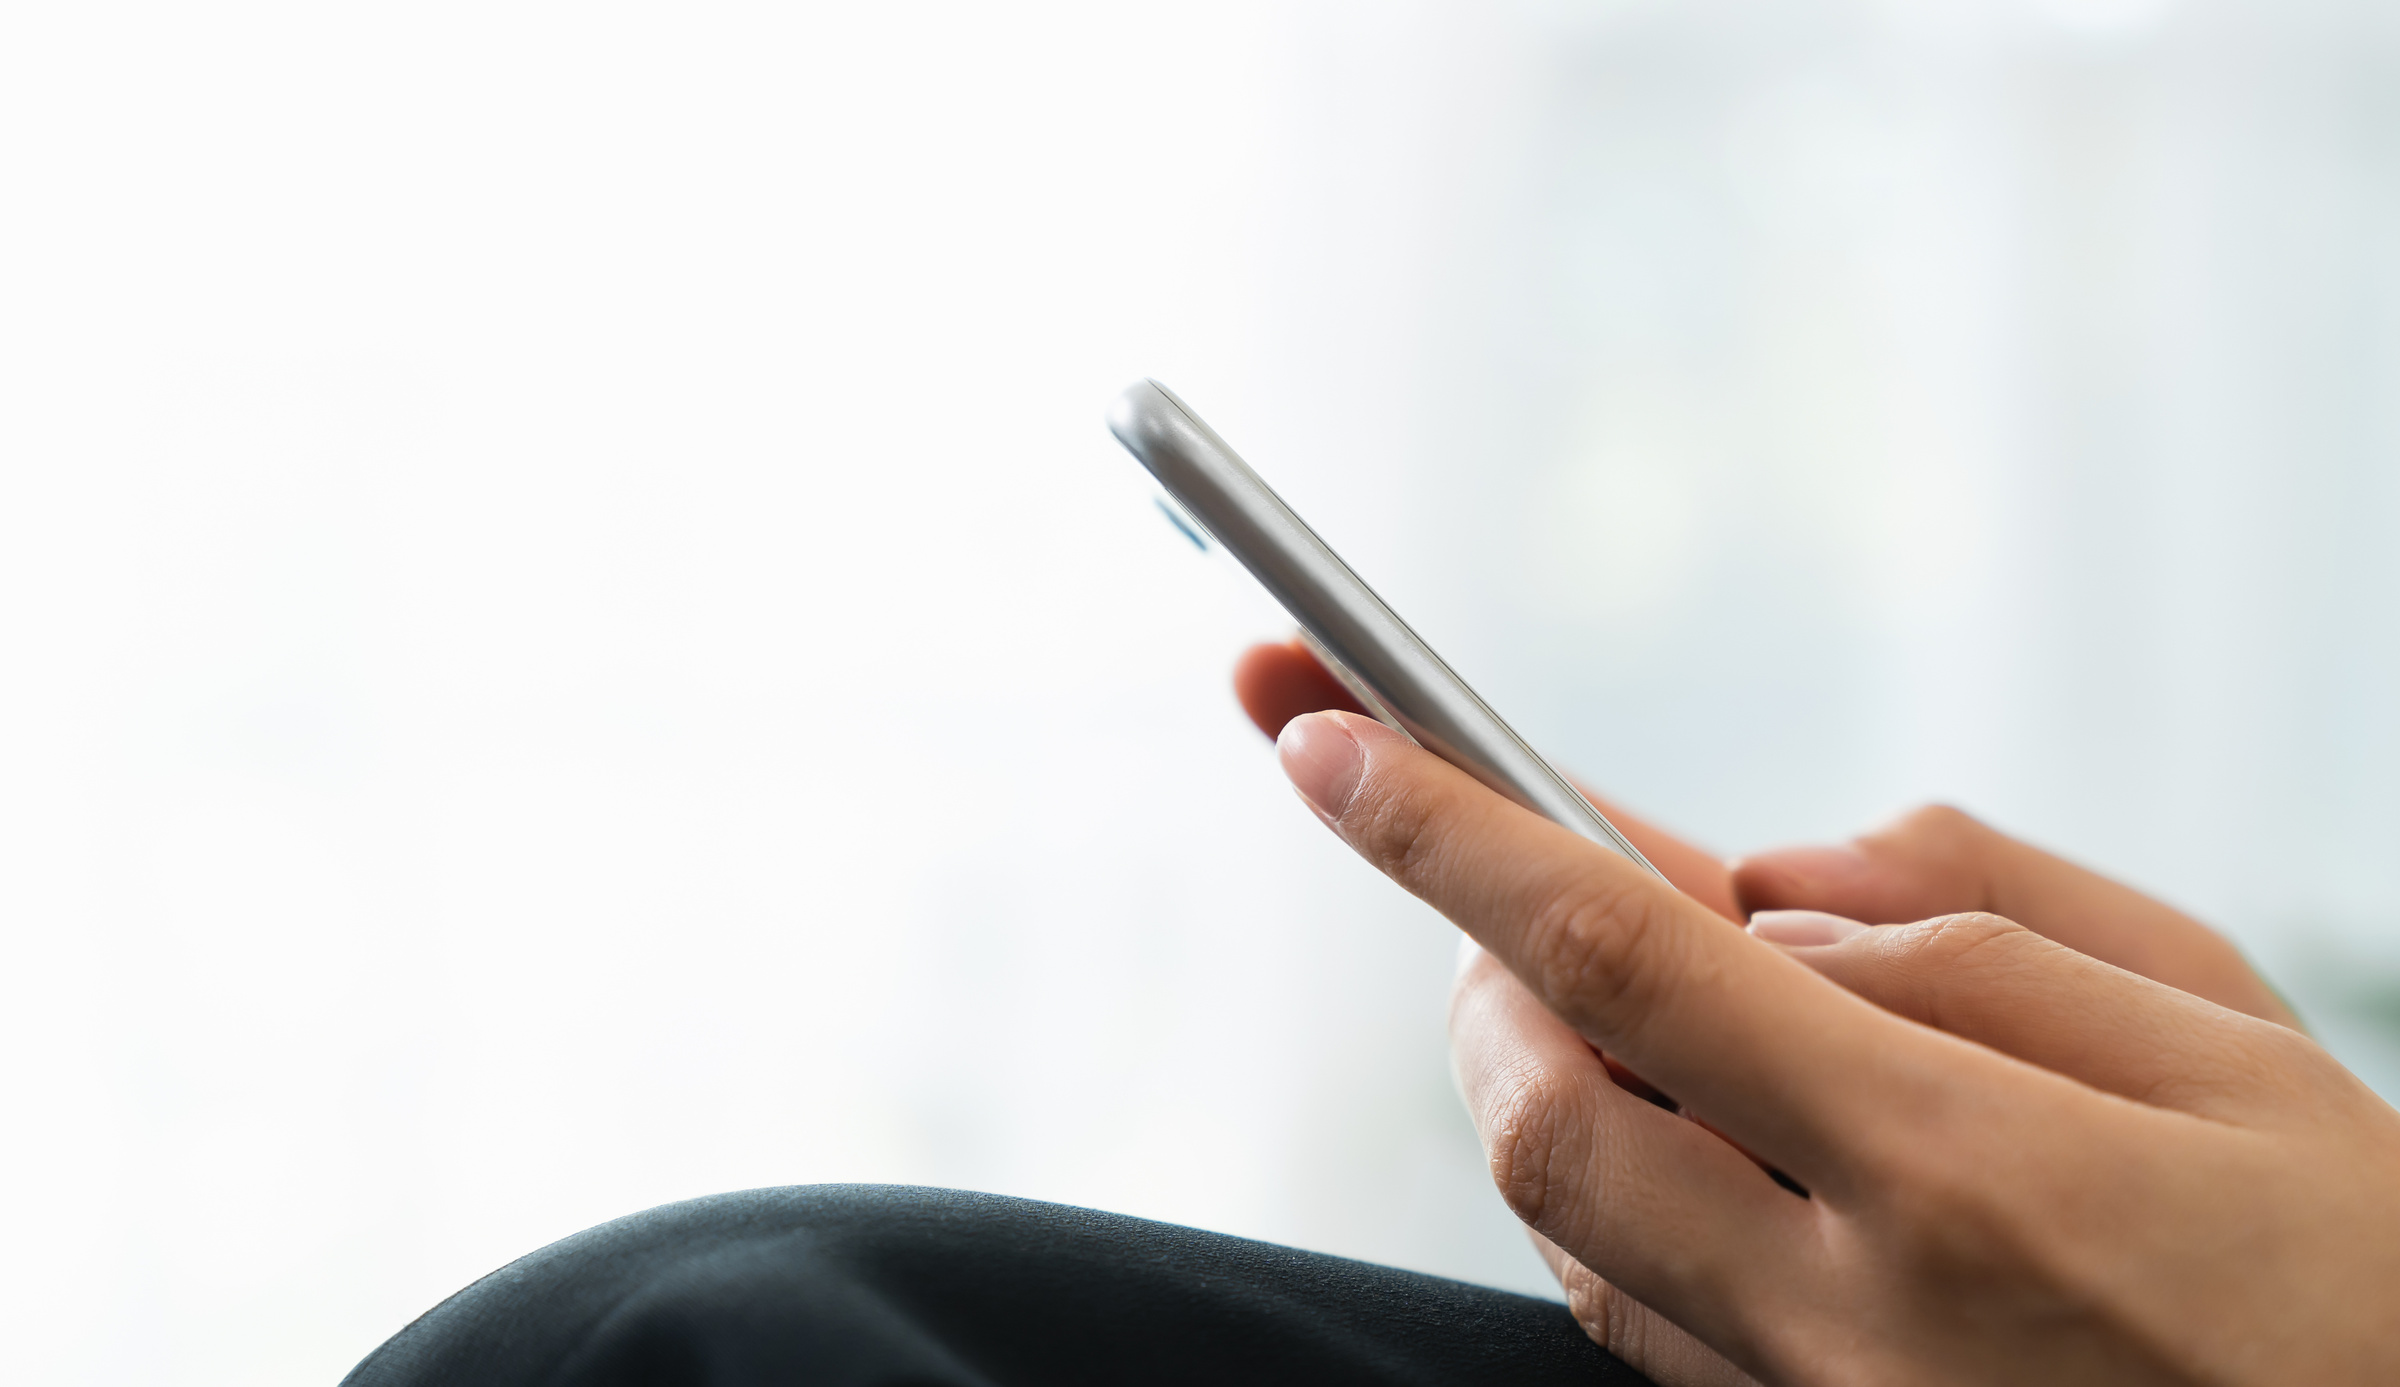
{"x":888,"y":1286}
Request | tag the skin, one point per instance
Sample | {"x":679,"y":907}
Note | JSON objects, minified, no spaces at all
{"x":2049,"y":1130}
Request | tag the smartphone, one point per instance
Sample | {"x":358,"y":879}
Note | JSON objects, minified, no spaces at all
{"x":1214,"y":497}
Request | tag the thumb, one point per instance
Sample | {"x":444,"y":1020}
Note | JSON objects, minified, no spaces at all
{"x":1992,"y":981}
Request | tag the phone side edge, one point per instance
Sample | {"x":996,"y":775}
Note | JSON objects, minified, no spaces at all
{"x":1342,"y":614}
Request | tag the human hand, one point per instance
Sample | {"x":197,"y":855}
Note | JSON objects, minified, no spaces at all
{"x":1277,"y":683}
{"x":1934,"y":861}
{"x":1931,"y":862}
{"x":2023,"y":1163}
{"x":1938,"y":861}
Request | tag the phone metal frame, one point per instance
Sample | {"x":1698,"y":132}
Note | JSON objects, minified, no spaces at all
{"x":1359,"y":640}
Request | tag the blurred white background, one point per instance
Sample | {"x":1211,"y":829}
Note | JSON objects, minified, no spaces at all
{"x":573,"y":637}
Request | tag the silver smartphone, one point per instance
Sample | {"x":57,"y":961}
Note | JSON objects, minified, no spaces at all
{"x":1215,"y":497}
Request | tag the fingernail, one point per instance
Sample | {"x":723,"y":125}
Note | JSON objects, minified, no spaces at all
{"x":1324,"y":760}
{"x":1802,"y":928}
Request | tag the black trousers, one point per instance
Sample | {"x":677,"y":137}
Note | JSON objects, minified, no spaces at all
{"x":888,"y":1286}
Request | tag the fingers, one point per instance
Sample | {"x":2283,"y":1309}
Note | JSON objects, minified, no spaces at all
{"x":1647,"y":1200}
{"x":1938,"y":861}
{"x":1696,"y":872}
{"x":1700,"y":1010}
{"x":1633,"y":1333}
{"x":1277,"y":683}
{"x":1983,"y":978}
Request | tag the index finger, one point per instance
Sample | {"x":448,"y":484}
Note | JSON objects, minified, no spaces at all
{"x":1277,"y":683}
{"x":1765,"y":1050}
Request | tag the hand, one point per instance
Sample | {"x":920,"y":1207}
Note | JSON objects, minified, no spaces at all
{"x":1938,"y":861}
{"x":1932,"y":862}
{"x":1277,"y":683}
{"x":2023,"y":1163}
{"x":1935,"y":861}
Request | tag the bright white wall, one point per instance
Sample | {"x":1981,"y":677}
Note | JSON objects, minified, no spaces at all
{"x":570,"y":637}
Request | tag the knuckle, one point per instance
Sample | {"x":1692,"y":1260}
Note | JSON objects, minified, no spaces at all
{"x":1926,"y":966}
{"x":1936,"y":833}
{"x":1940,"y":823}
{"x":2283,"y":1049}
{"x":1628,"y":1330}
{"x":1397,"y":830}
{"x":1949,"y":942}
{"x":1602,"y":953}
{"x":1595,"y":1304}
{"x":1525,"y":1123}
{"x":2282,"y":1061}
